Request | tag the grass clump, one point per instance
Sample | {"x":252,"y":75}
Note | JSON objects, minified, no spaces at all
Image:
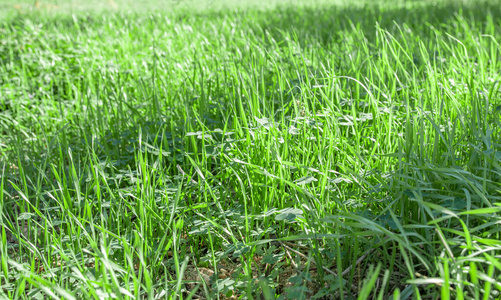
{"x":314,"y":150}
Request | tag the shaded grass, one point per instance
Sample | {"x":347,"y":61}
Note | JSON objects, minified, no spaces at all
{"x":280,"y":147}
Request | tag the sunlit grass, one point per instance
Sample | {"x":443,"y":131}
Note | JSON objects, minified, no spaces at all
{"x":293,"y":150}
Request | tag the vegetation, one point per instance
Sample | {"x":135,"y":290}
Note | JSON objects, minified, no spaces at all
{"x":313,"y":150}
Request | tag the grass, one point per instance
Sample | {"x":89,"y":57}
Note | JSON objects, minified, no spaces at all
{"x":316,"y":150}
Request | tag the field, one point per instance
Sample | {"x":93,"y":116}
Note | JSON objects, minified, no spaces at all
{"x":266,"y":150}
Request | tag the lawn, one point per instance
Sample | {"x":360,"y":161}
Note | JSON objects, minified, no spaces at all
{"x":265,"y":150}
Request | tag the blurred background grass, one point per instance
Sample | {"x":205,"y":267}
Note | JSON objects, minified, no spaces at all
{"x":74,"y":6}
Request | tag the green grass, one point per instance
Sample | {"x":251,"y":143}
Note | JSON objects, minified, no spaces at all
{"x":320,"y":150}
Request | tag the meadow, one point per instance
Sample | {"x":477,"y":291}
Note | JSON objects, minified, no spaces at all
{"x":265,"y":150}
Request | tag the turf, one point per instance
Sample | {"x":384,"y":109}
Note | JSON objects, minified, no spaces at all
{"x":273,"y":149}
